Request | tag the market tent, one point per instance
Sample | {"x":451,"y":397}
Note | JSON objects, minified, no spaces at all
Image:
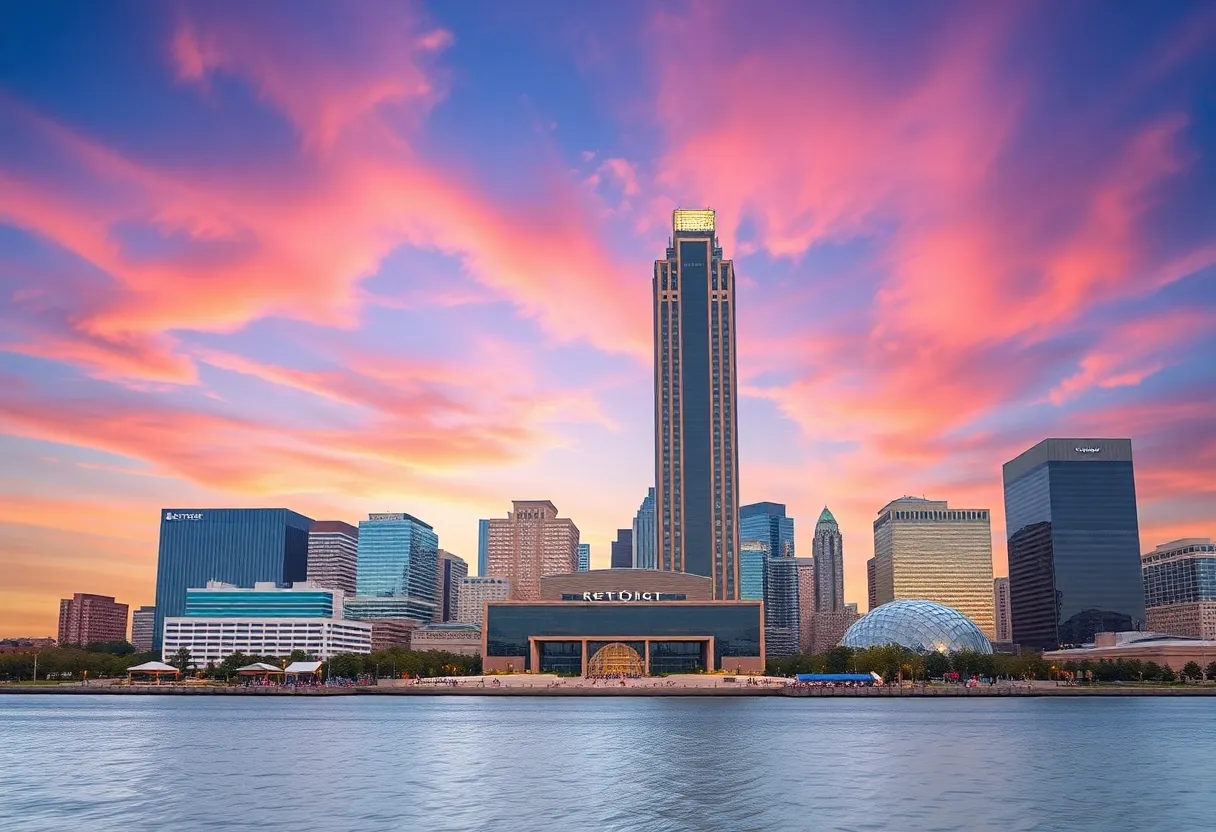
{"x":258,"y":669}
{"x":154,"y":669}
{"x":303,"y":667}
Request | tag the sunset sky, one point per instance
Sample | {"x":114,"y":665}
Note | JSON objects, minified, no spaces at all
{"x":377,"y":257}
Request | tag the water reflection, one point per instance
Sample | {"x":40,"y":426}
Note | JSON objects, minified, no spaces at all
{"x":450,"y":764}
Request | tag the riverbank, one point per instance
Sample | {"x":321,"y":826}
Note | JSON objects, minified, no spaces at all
{"x":577,"y":690}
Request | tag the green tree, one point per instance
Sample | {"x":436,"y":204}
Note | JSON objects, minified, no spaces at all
{"x":1210,"y":671}
{"x":1192,"y":671}
{"x":299,"y":656}
{"x":838,"y":660}
{"x":1152,"y":672}
{"x":1168,"y":674}
{"x":348,"y":665}
{"x":181,"y":659}
{"x":937,"y":665}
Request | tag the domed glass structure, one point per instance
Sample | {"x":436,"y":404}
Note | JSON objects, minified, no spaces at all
{"x":918,"y":625}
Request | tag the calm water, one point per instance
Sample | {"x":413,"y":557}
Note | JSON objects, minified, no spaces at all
{"x":99,"y":763}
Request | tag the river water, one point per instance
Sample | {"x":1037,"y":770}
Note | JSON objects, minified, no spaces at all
{"x":542,"y":765}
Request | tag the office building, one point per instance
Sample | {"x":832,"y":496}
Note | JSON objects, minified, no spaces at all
{"x":91,"y":619}
{"x":530,"y":543}
{"x":851,"y":607}
{"x":630,"y":622}
{"x":828,"y":551}
{"x":752,"y":555}
{"x":143,"y":627}
{"x":1074,"y":542}
{"x":398,"y":569}
{"x":1180,"y":588}
{"x":1000,"y":597}
{"x":645,"y":551}
{"x":462,"y":639}
{"x":767,"y":522}
{"x":622,"y":550}
{"x":393,"y":633}
{"x":806,"y":601}
{"x":926,"y":551}
{"x":782,"y":629}
{"x":452,"y":570}
{"x":696,"y":430}
{"x":483,"y":547}
{"x":828,"y":628}
{"x":240,"y":546}
{"x":584,"y":557}
{"x":871,"y":589}
{"x":264,"y":620}
{"x":333,"y":550}
{"x":475,"y":593}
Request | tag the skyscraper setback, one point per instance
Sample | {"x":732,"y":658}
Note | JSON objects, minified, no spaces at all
{"x":529,"y":544}
{"x":696,"y":432}
{"x":643,"y":534}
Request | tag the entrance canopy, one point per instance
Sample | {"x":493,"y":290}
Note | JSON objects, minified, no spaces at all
{"x":153,"y":669}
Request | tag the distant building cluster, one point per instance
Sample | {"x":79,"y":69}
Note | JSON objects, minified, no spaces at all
{"x":696,"y":581}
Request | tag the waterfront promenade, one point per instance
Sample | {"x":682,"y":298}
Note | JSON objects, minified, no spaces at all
{"x":540,"y":685}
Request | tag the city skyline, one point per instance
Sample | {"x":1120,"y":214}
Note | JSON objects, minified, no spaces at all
{"x":221,"y":293}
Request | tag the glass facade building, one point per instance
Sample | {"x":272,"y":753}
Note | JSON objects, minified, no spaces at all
{"x":695,"y":394}
{"x":452,"y":570}
{"x":781,"y":614}
{"x":752,"y":555}
{"x":767,"y":522}
{"x":483,"y":548}
{"x":263,"y":600}
{"x":672,"y":637}
{"x":1180,"y":588}
{"x":239,"y":546}
{"x":644,"y":542}
{"x":1074,"y":542}
{"x":584,"y":557}
{"x":622,"y":549}
{"x":918,"y":625}
{"x":333,"y":549}
{"x":398,"y":567}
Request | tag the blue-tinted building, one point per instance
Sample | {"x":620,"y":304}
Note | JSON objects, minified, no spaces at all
{"x":766,"y":524}
{"x":696,"y":399}
{"x":239,"y":546}
{"x":1074,"y":542}
{"x":398,"y":569}
{"x":621,"y":551}
{"x":1180,"y":588}
{"x":263,"y":600}
{"x":644,"y":543}
{"x":782,"y":618}
{"x":584,"y":557}
{"x":752,"y":555}
{"x":483,"y":548}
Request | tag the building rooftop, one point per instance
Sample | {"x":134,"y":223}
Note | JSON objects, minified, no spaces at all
{"x":692,"y":219}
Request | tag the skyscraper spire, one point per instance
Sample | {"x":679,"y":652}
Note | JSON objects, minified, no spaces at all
{"x":828,"y":551}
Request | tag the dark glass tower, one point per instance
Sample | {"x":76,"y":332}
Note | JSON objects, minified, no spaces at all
{"x":622,"y":549}
{"x":1074,"y":542}
{"x":239,"y":546}
{"x":696,"y":434}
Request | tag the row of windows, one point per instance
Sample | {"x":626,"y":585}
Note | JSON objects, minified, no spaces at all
{"x":941,"y":515}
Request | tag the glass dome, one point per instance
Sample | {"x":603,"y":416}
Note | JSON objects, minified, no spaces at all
{"x":919,"y":625}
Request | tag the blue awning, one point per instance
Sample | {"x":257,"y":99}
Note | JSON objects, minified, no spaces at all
{"x":864,"y":678}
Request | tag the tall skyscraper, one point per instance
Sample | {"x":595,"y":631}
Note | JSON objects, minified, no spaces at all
{"x":397,"y":570}
{"x":871,"y":589}
{"x":530,"y":543}
{"x":483,"y":547}
{"x":925,"y":550}
{"x":1074,"y":542}
{"x":1180,"y":588}
{"x":782,"y":628}
{"x":86,"y":619}
{"x":828,"y":551}
{"x":645,"y":551}
{"x":452,"y":570}
{"x":143,"y":623}
{"x":239,"y":546}
{"x":1000,"y":598}
{"x":584,"y":557}
{"x":333,"y":549}
{"x":806,"y":601}
{"x":695,"y":394}
{"x":622,"y":549}
{"x":752,"y":555}
{"x":767,"y":522}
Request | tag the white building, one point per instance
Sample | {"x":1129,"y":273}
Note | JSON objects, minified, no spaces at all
{"x":475,"y":593}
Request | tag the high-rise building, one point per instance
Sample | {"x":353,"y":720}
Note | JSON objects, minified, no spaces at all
{"x":782,"y":628}
{"x":333,"y":549}
{"x":584,"y":557}
{"x":924,"y":550}
{"x":1000,"y":598}
{"x":622,"y":549}
{"x":827,"y":628}
{"x":483,"y":547}
{"x":530,"y":543}
{"x":806,"y":601}
{"x":91,"y":619}
{"x":398,"y":568}
{"x":767,"y":522}
{"x":871,"y":588}
{"x":263,"y":620}
{"x":452,"y":570}
{"x":1180,"y":588}
{"x":143,"y":625}
{"x":1074,"y":542}
{"x":644,"y":541}
{"x":695,"y":394}
{"x":240,"y":546}
{"x":475,"y":593}
{"x":752,"y":555}
{"x":828,"y":551}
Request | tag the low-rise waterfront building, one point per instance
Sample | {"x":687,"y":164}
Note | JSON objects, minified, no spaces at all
{"x":389,"y":633}
{"x":464,"y":639}
{"x":1180,"y":588}
{"x":1163,"y":648}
